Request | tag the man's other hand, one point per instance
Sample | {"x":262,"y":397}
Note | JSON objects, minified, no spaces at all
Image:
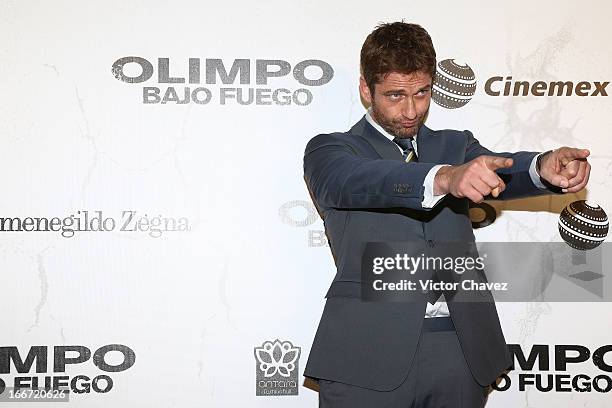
{"x":474,"y":180}
{"x":567,"y":168}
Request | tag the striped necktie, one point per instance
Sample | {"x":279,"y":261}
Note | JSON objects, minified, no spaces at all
{"x":407,"y":149}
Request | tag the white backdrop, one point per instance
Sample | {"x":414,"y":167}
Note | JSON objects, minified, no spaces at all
{"x":245,"y":265}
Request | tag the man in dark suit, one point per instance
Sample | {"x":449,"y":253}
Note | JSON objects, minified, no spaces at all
{"x":389,"y":179}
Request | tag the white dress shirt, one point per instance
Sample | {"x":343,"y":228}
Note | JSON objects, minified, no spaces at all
{"x":440,"y":308}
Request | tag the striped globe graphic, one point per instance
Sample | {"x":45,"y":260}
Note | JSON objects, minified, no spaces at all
{"x":454,"y":84}
{"x":583,"y":225}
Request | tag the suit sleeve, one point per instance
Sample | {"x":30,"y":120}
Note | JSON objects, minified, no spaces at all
{"x":338,"y":178}
{"x":518,"y":181}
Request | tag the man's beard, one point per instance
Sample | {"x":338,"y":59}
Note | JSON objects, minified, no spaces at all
{"x":393,"y":126}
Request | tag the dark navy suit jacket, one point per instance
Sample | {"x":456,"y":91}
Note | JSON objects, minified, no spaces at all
{"x":365,"y":192}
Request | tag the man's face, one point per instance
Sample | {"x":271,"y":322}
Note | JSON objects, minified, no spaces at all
{"x":400,"y":102}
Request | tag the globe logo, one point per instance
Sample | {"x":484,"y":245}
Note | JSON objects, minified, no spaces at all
{"x":583,"y":225}
{"x":454,"y":84}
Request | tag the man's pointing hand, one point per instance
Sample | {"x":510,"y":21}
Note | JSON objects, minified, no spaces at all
{"x":474,"y":180}
{"x":567,"y":168}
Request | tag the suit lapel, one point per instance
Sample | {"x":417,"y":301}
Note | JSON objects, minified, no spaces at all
{"x":427,"y":146}
{"x":427,"y":143}
{"x":385,"y":148}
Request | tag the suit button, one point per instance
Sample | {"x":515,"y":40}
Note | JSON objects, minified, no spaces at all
{"x":431,"y":243}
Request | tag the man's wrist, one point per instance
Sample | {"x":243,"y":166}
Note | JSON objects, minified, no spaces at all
{"x":442,"y":180}
{"x":535,"y":172}
{"x":430,"y":198}
{"x":539,"y":160}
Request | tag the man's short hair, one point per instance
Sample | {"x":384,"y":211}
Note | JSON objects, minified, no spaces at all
{"x":396,"y":47}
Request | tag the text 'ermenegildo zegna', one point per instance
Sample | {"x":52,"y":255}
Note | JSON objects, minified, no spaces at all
{"x":214,"y":71}
{"x":96,"y":221}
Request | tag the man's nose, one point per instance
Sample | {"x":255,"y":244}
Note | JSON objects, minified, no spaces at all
{"x":409,"y":109}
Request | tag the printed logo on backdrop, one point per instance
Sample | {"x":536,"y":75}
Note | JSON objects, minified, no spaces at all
{"x":45,"y":367}
{"x":276,"y":368}
{"x":455,"y":85}
{"x":208,"y":78}
{"x":301,"y":214}
{"x":532,"y":370}
{"x":128,"y":221}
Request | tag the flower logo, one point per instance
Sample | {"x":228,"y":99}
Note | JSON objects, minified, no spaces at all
{"x":276,"y":357}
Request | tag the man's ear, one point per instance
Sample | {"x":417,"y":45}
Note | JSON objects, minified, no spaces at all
{"x":364,"y":91}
